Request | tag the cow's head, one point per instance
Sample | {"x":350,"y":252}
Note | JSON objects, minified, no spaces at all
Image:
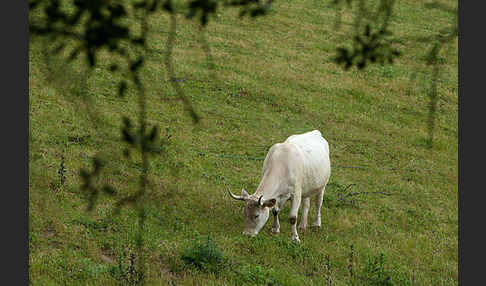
{"x":257,"y":210}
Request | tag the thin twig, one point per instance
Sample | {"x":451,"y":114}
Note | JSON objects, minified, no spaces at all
{"x":342,"y":197}
{"x":413,"y":277}
{"x":328,"y":267}
{"x":170,"y":69}
{"x":350,"y":267}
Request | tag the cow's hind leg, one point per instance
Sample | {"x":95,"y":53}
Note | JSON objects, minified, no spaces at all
{"x":318,"y":202}
{"x":276,"y":224}
{"x":305,"y":212}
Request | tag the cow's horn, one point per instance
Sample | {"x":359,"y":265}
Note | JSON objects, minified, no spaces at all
{"x":260,"y":200}
{"x":241,"y":198}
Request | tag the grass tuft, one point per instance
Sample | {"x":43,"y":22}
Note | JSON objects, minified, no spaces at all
{"x":204,"y":255}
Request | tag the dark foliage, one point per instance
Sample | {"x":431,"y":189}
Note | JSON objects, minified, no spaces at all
{"x":371,"y":46}
{"x":206,"y":256}
{"x":90,"y":187}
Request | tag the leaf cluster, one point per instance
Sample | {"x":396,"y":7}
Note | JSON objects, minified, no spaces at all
{"x":101,"y":23}
{"x":369,"y":47}
{"x":89,"y":186}
{"x":148,"y":141}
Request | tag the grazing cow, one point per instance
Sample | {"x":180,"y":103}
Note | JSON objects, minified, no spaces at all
{"x":296,"y":169}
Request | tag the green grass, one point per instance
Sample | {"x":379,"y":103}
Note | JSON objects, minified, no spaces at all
{"x":273,"y":77}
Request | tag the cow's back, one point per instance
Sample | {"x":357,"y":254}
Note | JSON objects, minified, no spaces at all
{"x":314,"y":155}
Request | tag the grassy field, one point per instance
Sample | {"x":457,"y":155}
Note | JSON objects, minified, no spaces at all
{"x":273,"y":77}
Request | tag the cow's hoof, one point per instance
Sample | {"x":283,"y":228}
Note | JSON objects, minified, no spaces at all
{"x":275,"y":231}
{"x":295,"y":239}
{"x":302,"y":228}
{"x":317,"y":226}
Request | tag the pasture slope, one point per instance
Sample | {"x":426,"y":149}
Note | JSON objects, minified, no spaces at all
{"x":272,"y":77}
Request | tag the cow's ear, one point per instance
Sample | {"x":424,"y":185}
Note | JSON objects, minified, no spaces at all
{"x":244,"y":194}
{"x":269,"y":203}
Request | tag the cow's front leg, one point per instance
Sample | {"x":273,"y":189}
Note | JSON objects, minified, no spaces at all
{"x":294,"y":210}
{"x":305,"y":211}
{"x":276,"y":224}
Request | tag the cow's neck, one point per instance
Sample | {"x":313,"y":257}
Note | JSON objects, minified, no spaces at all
{"x":269,"y":184}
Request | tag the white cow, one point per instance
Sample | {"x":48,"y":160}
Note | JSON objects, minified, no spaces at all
{"x":295,"y":169}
